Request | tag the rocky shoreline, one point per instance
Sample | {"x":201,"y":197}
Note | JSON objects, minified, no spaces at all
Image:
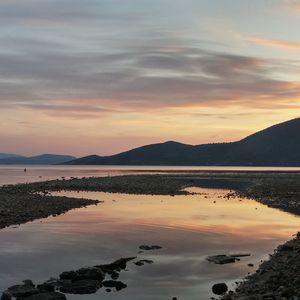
{"x":84,"y":281}
{"x":17,"y":207}
{"x":277,"y":278}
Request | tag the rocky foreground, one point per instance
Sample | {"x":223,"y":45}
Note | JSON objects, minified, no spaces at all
{"x":17,"y":207}
{"x":277,"y":278}
{"x":84,"y":281}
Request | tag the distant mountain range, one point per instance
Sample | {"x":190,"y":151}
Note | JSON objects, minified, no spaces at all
{"x":278,"y":145}
{"x":8,"y":155}
{"x":44,"y":159}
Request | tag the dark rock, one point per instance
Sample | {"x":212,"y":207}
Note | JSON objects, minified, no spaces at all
{"x":116,"y":284}
{"x":90,"y":273}
{"x":117,"y":265}
{"x":285,"y":247}
{"x":220,"y":288}
{"x":45,"y":287}
{"x":6,"y":296}
{"x":28,"y":282}
{"x":147,"y":247}
{"x":47,"y":296}
{"x":81,"y":287}
{"x":22,"y":290}
{"x":71,"y":275}
{"x":143,"y":261}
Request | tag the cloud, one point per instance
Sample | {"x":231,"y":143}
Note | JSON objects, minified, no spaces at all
{"x":103,"y":62}
{"x":275,"y":43}
{"x":140,"y":79}
{"x":292,"y":5}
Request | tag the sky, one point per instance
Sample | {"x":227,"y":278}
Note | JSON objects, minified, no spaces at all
{"x":103,"y":76}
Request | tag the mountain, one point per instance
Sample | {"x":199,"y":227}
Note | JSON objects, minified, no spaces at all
{"x":44,"y":159}
{"x":278,"y":145}
{"x":8,"y":155}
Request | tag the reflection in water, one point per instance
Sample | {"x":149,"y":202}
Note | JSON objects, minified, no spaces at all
{"x":189,"y":228}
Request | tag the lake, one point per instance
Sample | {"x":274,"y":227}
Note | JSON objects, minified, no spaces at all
{"x":16,"y":174}
{"x":189,"y":228}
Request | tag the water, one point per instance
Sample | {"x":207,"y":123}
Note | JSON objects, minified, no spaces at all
{"x":189,"y":228}
{"x":16,"y":174}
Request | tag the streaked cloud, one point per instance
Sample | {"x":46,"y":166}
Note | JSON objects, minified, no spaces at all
{"x":275,"y":43}
{"x":145,"y":70}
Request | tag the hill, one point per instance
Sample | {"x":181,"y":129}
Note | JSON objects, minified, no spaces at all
{"x":278,"y":145}
{"x":8,"y":155}
{"x":44,"y":159}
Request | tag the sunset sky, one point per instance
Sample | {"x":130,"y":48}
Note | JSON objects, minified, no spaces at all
{"x":103,"y":76}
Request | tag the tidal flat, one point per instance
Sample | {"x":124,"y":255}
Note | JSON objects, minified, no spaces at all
{"x":193,"y":209}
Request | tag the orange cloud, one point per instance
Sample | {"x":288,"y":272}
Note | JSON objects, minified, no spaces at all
{"x":293,"y":6}
{"x":275,"y":43}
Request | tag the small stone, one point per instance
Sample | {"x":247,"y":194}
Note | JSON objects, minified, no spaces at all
{"x":81,"y":287}
{"x":6,"y":296}
{"x":153,"y":247}
{"x":220,"y":288}
{"x":28,"y":282}
{"x":47,"y":296}
{"x":19,"y":291}
{"x":116,"y":284}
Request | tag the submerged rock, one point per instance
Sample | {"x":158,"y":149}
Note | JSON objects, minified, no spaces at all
{"x":83,"y":273}
{"x":147,"y":247}
{"x":119,"y":285}
{"x":86,"y":286}
{"x":219,"y":288}
{"x":142,"y":262}
{"x":21,"y":291}
{"x":117,"y":265}
{"x":225,"y":259}
{"x":47,"y":296}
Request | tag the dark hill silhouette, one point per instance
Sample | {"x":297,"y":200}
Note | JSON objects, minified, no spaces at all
{"x":278,"y":145}
{"x":44,"y":159}
{"x":8,"y":155}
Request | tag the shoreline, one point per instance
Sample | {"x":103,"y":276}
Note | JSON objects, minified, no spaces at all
{"x":277,"y":190}
{"x":18,"y":207}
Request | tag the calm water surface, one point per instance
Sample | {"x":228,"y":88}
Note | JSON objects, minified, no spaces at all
{"x":189,"y":228}
{"x":16,"y":174}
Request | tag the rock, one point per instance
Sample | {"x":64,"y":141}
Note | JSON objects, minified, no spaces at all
{"x":153,"y":247}
{"x":90,"y":273}
{"x":219,"y":288}
{"x":116,"y":284}
{"x":81,"y":287}
{"x":47,"y":296}
{"x":28,"y":282}
{"x":71,"y":275}
{"x":117,"y":265}
{"x":83,"y":273}
{"x":45,"y":287}
{"x":225,"y":259}
{"x":285,"y":247}
{"x":21,"y":291}
{"x":6,"y":296}
{"x":221,"y":259}
{"x":54,"y":282}
{"x":143,"y":262}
